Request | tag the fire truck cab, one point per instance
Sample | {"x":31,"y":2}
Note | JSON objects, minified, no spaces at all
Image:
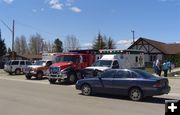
{"x":69,"y":66}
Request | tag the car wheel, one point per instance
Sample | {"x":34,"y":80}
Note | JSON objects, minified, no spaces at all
{"x":17,"y":71}
{"x":28,"y":77}
{"x":135,"y":94}
{"x":52,"y":81}
{"x":39,"y":75}
{"x":86,"y":90}
{"x":72,"y":78}
{"x":10,"y":73}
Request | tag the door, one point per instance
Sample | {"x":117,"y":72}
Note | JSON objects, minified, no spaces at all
{"x":105,"y":82}
{"x":121,"y":82}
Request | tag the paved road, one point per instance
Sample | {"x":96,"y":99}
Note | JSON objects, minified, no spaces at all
{"x":23,"y":97}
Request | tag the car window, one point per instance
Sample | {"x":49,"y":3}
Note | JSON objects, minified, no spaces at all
{"x":49,"y":63}
{"x":108,"y":74}
{"x":15,"y":63}
{"x":123,"y":74}
{"x":28,"y":63}
{"x":22,"y":63}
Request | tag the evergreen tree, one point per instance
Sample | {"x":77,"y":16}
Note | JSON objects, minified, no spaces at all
{"x":58,"y":45}
{"x":3,"y":49}
{"x":110,"y":44}
{"x":100,"y":42}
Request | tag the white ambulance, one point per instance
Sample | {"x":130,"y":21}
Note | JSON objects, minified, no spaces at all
{"x":118,"y":59}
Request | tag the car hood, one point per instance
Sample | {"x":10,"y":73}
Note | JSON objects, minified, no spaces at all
{"x":35,"y":66}
{"x":97,"y":68}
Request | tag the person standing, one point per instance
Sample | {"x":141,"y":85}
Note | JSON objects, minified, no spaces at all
{"x":165,"y":68}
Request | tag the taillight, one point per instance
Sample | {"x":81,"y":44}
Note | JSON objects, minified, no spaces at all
{"x":157,"y":85}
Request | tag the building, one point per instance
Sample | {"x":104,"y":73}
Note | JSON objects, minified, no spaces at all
{"x":157,"y":50}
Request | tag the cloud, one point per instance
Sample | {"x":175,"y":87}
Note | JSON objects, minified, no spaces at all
{"x":86,"y":45}
{"x":8,"y":1}
{"x":124,"y":44}
{"x":34,"y":10}
{"x":75,"y":9}
{"x":56,"y":4}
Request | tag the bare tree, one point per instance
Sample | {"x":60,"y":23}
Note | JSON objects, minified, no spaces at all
{"x":71,"y":43}
{"x":36,"y":44}
{"x":21,"y":46}
{"x":17,"y":45}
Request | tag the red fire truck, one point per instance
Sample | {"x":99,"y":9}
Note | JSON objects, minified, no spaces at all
{"x":69,"y":66}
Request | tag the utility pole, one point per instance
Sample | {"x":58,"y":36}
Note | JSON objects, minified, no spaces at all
{"x":133,"y":35}
{"x":12,"y":31}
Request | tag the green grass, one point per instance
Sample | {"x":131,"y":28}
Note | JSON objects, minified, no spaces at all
{"x":174,"y":74}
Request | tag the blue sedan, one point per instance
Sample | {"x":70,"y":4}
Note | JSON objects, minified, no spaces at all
{"x":134,"y":83}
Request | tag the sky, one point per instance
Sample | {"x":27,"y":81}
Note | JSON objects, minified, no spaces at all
{"x":153,"y":19}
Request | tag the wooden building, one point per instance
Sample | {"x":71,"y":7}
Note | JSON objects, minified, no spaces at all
{"x":157,"y":50}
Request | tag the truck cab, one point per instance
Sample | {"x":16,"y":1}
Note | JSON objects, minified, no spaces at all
{"x":68,"y":68}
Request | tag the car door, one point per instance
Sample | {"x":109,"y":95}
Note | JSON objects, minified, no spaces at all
{"x":22,"y":65}
{"x":121,"y":82}
{"x":106,"y":81}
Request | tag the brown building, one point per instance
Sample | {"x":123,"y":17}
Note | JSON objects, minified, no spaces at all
{"x":157,"y":50}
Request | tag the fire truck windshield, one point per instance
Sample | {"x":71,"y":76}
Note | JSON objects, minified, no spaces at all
{"x":103,"y":63}
{"x":67,"y":58}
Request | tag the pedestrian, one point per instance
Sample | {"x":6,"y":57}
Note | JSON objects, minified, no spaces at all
{"x":154,"y":67}
{"x":165,"y":68}
{"x":169,"y":65}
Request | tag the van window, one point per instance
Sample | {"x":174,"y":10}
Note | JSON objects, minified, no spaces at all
{"x":15,"y":63}
{"x":115,"y":65}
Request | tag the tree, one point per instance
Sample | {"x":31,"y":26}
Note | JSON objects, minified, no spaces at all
{"x":3,"y":49}
{"x":58,"y":45}
{"x":21,"y":46}
{"x":110,"y":43}
{"x":36,"y":44}
{"x":99,"y":42}
{"x":71,"y":43}
{"x":9,"y":50}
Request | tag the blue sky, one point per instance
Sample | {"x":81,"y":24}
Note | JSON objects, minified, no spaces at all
{"x":154,"y":19}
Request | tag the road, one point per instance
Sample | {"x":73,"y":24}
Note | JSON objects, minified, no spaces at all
{"x":19,"y":96}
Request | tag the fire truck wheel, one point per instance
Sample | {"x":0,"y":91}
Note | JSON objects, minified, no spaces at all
{"x":52,"y":81}
{"x":39,"y":75}
{"x":72,"y":78}
{"x":28,"y":77}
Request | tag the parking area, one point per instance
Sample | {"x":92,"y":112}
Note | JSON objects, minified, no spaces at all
{"x":26,"y":97}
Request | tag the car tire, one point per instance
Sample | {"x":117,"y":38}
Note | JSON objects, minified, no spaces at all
{"x":10,"y":73}
{"x":52,"y":81}
{"x":72,"y":78}
{"x":28,"y":77}
{"x":86,"y":90}
{"x":135,"y":94}
{"x":39,"y":75}
{"x":17,"y":72}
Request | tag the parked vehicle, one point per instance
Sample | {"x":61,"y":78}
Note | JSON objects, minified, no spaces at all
{"x":68,"y":68}
{"x":117,"y":59}
{"x":38,"y":69}
{"x":16,"y":66}
{"x":135,"y":83}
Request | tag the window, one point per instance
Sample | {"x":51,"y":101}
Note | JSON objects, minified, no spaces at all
{"x":108,"y":74}
{"x":22,"y":63}
{"x":115,"y":65}
{"x":28,"y":63}
{"x":15,"y":63}
{"x":123,"y":74}
{"x":136,"y":59}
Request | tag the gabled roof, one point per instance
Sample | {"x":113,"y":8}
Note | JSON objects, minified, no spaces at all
{"x":163,"y":47}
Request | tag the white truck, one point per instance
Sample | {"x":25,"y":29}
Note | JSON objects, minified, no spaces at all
{"x":117,"y":59}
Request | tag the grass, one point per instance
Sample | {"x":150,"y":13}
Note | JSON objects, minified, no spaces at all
{"x":149,"y":70}
{"x":174,"y":74}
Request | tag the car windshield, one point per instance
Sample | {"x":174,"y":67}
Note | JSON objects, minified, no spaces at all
{"x":39,"y":62}
{"x":103,"y":63}
{"x":144,"y":74}
{"x":68,"y":58}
